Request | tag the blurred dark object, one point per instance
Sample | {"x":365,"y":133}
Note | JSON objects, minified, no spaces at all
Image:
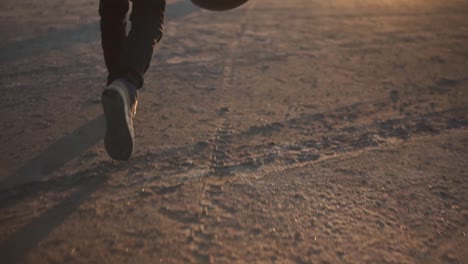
{"x":218,"y":5}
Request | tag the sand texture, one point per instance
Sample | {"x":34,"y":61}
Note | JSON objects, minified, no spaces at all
{"x":296,"y":131}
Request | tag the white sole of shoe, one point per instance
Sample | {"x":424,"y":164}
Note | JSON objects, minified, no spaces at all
{"x":119,"y":137}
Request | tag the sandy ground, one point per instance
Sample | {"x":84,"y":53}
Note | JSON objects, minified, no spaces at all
{"x":295,"y":131}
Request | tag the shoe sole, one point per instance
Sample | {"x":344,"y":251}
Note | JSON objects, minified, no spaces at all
{"x":119,"y":138}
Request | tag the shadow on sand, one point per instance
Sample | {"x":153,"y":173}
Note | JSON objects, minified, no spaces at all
{"x":17,"y":246}
{"x":57,"y":154}
{"x":14,"y":248}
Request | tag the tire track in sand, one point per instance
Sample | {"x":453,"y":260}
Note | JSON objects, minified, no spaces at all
{"x":220,"y":158}
{"x":211,"y":192}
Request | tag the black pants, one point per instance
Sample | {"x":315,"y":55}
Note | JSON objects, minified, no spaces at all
{"x":130,"y":56}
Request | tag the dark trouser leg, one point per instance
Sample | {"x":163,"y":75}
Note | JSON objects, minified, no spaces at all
{"x":147,"y":19}
{"x":113,"y":25}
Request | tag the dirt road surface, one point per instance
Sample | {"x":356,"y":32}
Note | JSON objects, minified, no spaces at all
{"x":295,"y":131}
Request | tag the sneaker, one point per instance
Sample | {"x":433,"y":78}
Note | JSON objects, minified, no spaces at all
{"x":119,"y":100}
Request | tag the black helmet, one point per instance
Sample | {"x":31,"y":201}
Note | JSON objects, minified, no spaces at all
{"x":218,"y":5}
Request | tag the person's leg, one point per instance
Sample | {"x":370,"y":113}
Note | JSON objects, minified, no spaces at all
{"x":147,"y":19}
{"x":127,"y":59}
{"x":116,"y":98}
{"x":113,"y":32}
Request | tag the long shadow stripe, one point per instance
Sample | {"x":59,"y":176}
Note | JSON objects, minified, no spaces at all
{"x":17,"y":246}
{"x":59,"y":153}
